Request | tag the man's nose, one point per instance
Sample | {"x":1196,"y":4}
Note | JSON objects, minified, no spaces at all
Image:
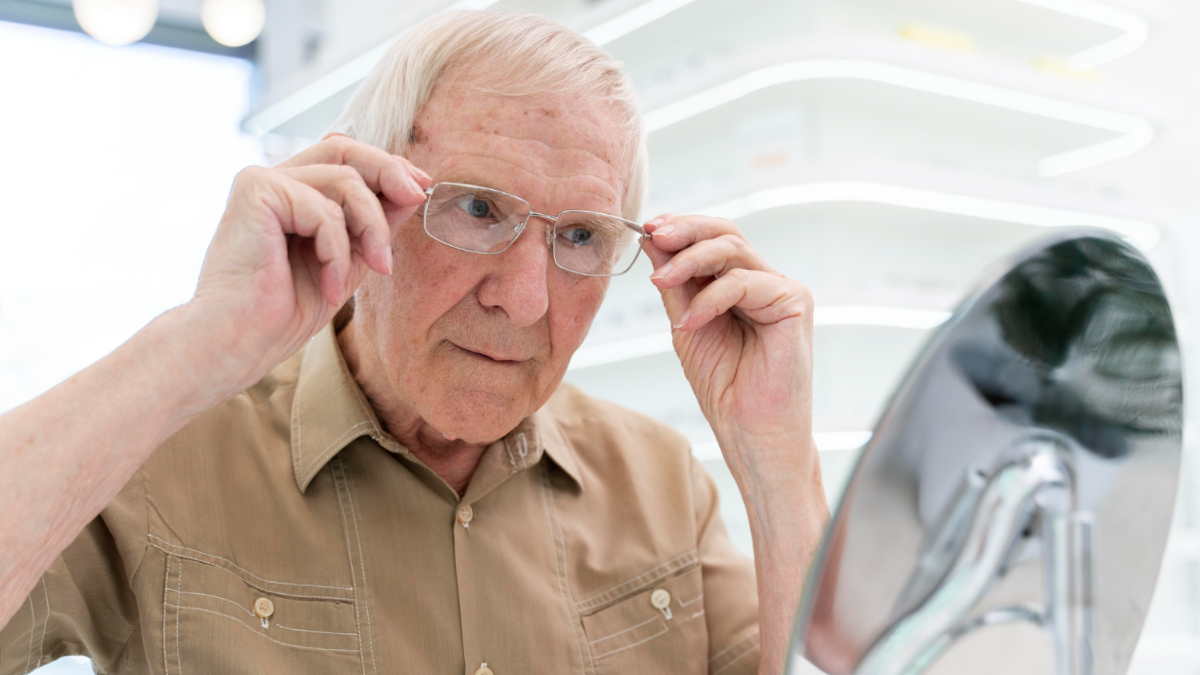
{"x":518,"y":283}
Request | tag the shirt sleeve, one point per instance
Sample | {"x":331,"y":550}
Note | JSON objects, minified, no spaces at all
{"x":730,"y":593}
{"x":82,"y":605}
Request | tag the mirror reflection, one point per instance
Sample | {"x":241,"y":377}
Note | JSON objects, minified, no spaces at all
{"x":1011,"y":510}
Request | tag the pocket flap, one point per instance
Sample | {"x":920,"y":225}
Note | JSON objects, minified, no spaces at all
{"x":671,"y":604}
{"x":296,"y":621}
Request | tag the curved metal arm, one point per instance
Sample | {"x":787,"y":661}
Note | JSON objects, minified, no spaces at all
{"x":1001,"y":515}
{"x":1018,"y":614}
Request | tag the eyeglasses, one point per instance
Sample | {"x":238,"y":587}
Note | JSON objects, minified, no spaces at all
{"x":481,"y":220}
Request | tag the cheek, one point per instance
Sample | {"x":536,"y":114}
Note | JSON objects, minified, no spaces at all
{"x":427,"y":270}
{"x":573,"y":306}
{"x":428,"y":281}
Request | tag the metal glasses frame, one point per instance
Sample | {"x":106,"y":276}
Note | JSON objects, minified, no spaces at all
{"x":643,"y":235}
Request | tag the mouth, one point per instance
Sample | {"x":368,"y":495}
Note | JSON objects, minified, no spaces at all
{"x":486,"y":357}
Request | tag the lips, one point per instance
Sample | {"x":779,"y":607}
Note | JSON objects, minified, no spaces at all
{"x":495,"y":357}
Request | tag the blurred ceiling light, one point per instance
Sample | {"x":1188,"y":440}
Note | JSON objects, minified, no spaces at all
{"x":116,"y":22}
{"x":233,"y":23}
{"x":633,"y":19}
{"x":832,"y":315}
{"x":1136,"y":132}
{"x":1136,"y":30}
{"x":1139,"y":233}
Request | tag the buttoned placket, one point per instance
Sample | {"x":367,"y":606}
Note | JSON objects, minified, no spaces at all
{"x":501,"y":461}
{"x":481,"y":520}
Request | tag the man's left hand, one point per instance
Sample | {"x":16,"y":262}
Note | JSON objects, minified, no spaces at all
{"x":743,"y":333}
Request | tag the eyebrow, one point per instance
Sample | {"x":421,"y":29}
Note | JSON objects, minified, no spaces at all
{"x":468,"y":178}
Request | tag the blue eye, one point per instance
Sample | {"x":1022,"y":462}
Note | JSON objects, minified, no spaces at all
{"x":477,"y":208}
{"x":579,"y":236}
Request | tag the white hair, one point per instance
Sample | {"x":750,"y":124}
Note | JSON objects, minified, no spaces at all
{"x":521,"y":54}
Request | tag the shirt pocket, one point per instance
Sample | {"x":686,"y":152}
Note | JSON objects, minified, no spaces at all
{"x":633,"y":634}
{"x":211,"y":623}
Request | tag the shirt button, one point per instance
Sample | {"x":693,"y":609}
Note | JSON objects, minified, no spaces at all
{"x":661,"y":598}
{"x":264,"y":608}
{"x":484,"y":670}
{"x":465,"y":514}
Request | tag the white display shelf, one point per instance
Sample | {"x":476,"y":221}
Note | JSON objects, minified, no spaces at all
{"x":1085,"y":34}
{"x":855,"y":371}
{"x":665,"y":39}
{"x":665,"y":42}
{"x":914,"y":255}
{"x":756,"y":197}
{"x":801,"y":112}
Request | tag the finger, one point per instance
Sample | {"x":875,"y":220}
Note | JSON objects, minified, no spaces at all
{"x":658,"y":257}
{"x":677,"y":298}
{"x":308,"y":213}
{"x":762,"y":297}
{"x":657,"y":222}
{"x":365,"y":220}
{"x":384,"y":173}
{"x":708,"y":258}
{"x":678,"y":232}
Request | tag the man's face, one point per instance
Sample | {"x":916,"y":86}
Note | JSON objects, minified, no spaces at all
{"x":474,"y":343}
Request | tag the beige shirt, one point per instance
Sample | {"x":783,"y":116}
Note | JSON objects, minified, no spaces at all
{"x":285,"y":531}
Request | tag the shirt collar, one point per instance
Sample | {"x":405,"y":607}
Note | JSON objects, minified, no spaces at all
{"x":330,"y":411}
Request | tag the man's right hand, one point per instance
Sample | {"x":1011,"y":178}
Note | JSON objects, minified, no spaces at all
{"x":293,"y":245}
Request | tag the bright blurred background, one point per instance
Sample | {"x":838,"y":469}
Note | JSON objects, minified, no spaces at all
{"x":885,"y":152}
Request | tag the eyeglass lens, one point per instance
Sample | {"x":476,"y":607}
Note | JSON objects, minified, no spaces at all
{"x":485,"y":221}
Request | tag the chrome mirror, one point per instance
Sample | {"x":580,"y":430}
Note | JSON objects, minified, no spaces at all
{"x":1010,"y":512}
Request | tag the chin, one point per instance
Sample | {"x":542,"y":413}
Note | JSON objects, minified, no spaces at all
{"x":479,"y":417}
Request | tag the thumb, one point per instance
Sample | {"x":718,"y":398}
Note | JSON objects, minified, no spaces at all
{"x":675,"y":300}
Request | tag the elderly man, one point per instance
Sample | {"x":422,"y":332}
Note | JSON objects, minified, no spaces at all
{"x":350,"y":452}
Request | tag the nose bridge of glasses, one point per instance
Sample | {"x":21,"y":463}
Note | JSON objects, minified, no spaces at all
{"x":552,"y":220}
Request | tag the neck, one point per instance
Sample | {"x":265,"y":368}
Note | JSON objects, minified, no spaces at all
{"x":453,"y":460}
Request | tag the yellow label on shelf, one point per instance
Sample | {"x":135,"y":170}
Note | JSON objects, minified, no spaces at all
{"x":937,"y":36}
{"x":1058,"y":66}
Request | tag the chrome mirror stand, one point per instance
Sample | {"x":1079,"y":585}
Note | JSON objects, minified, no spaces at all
{"x":992,"y":520}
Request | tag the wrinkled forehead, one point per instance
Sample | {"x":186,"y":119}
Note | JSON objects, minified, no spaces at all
{"x":558,"y":152}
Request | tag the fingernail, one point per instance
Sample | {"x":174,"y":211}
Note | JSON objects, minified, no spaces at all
{"x":664,"y":231}
{"x":656,"y":222}
{"x":416,"y":187}
{"x":687,"y":314}
{"x":663,"y":271}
